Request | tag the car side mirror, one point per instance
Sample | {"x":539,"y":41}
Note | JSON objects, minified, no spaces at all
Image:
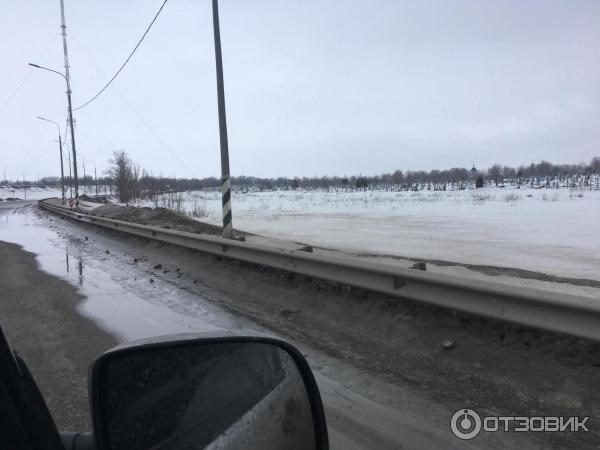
{"x":194,"y":391}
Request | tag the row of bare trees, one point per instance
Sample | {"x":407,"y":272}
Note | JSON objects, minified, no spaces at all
{"x":132,"y":182}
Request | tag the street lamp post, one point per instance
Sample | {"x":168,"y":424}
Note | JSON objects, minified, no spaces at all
{"x":225,"y":179}
{"x":70,"y":121}
{"x":84,"y":180}
{"x":70,"y":177}
{"x":95,"y":175}
{"x":24,"y":185}
{"x":95,"y":172}
{"x":62,"y":173}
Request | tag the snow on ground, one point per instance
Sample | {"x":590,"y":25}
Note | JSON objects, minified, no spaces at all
{"x":32,"y":193}
{"x":550,"y":231}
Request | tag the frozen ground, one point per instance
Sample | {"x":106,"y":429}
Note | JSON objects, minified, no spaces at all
{"x":550,"y":231}
{"x":36,"y":193}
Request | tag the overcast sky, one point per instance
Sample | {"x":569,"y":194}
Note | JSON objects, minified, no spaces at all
{"x":312,"y":87}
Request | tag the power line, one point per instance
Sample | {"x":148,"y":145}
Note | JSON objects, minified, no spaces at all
{"x":133,"y":110}
{"x":151,"y":130}
{"x":126,"y":61}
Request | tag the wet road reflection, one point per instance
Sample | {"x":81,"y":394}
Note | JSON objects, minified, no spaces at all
{"x":119,"y":296}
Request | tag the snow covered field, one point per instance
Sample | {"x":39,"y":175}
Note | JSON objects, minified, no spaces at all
{"x":35,"y":193}
{"x":550,"y":231}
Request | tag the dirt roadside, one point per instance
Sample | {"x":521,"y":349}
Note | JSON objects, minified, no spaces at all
{"x":158,"y":217}
{"x":38,"y":312}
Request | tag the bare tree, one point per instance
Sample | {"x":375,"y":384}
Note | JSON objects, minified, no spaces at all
{"x":135,"y":181}
{"x":122,"y":171}
{"x":495,"y":173}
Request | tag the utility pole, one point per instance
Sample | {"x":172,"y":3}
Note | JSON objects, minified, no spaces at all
{"x":62,"y":173}
{"x":84,"y":180}
{"x":67,"y":77}
{"x":70,"y":179}
{"x":96,"y":177}
{"x":225,"y":181}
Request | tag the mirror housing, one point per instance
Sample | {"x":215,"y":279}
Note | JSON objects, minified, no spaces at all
{"x":206,"y":390}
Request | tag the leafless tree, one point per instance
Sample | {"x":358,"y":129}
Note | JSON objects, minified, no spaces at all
{"x":124,"y":176}
{"x":495,"y":173}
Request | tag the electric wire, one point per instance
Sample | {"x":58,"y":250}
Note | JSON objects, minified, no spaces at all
{"x":126,"y":61}
{"x":133,"y":110}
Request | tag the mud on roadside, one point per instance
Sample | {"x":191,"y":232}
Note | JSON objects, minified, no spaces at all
{"x":158,"y":217}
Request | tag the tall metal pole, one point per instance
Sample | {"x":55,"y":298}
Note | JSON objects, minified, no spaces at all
{"x":70,"y":178}
{"x":67,"y":77}
{"x":225,"y":181}
{"x":62,"y":173}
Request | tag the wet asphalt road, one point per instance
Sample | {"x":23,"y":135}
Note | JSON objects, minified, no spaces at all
{"x":38,"y":313}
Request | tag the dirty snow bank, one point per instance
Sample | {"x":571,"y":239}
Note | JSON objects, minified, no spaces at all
{"x":158,"y":217}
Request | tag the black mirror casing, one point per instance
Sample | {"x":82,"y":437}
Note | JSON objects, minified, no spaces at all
{"x":115,"y":361}
{"x":25,"y":421}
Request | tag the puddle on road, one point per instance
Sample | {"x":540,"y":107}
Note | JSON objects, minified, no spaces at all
{"x":119,"y":297}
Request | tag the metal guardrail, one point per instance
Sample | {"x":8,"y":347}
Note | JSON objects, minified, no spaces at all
{"x":544,"y":309}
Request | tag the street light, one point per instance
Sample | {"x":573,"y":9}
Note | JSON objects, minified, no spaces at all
{"x":37,"y":66}
{"x":95,"y":175}
{"x":70,"y":177}
{"x":62,"y":173}
{"x":24,"y":186}
{"x":83,"y":159}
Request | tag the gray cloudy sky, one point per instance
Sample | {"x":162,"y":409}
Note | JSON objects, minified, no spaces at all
{"x":313,"y":87}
